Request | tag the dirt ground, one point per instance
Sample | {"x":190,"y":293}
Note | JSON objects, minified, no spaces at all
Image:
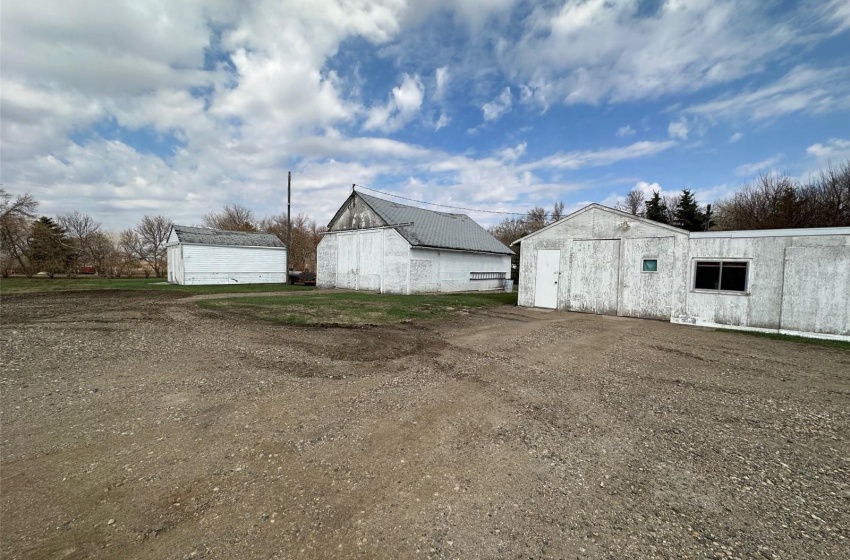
{"x":135,"y":425}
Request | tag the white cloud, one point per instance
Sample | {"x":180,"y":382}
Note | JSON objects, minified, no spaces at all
{"x":834,"y":150}
{"x":585,"y":52}
{"x":763,"y":166}
{"x":512,"y":154}
{"x":443,"y":121}
{"x":594,"y":158}
{"x":624,"y":131}
{"x":441,"y":78}
{"x":678,"y":129}
{"x":402,"y":106}
{"x":735,"y":137}
{"x":498,"y":107}
{"x":803,"y":89}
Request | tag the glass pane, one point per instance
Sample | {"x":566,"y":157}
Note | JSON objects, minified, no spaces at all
{"x":650,"y":265}
{"x":707,"y":276}
{"x":734,"y":277}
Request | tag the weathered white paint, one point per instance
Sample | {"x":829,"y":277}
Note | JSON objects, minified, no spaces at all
{"x":443,"y":270}
{"x":798,"y":280}
{"x":594,"y":275}
{"x":192,"y":265}
{"x":380,"y":259}
{"x":609,"y":248}
{"x":547,"y":277}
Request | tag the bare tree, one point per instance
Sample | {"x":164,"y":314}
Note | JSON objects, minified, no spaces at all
{"x":153,"y":234}
{"x":771,"y":201}
{"x":306,"y":235}
{"x":104,"y":253}
{"x":831,"y":191}
{"x":671,"y":202}
{"x":536,"y":218}
{"x":633,"y":203}
{"x":16,"y":214}
{"x":80,"y":229}
{"x":129,"y":248}
{"x":232,"y":218}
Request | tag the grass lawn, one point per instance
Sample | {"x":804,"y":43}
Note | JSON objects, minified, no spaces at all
{"x":42,"y":284}
{"x":356,"y":308}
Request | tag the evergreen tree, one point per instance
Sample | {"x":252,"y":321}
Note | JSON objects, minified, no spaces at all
{"x":656,"y":209}
{"x":50,"y":250}
{"x":688,"y":215}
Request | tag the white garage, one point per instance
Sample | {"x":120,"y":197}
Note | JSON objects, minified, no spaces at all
{"x":382,"y":246}
{"x":600,"y":260}
{"x":199,"y":256}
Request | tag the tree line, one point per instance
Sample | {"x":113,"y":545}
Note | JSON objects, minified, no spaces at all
{"x":74,"y":242}
{"x":772,"y":201}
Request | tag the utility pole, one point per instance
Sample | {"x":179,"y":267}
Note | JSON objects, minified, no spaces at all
{"x":288,"y":223}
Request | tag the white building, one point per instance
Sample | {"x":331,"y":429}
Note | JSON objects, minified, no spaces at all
{"x":382,"y":246}
{"x":199,"y":256}
{"x":600,"y":260}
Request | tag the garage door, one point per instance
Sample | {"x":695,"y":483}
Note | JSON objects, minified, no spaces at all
{"x":594,"y":275}
{"x":359,"y":260}
{"x":814,"y":292}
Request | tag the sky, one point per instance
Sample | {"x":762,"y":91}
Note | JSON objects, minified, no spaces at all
{"x":121,"y":109}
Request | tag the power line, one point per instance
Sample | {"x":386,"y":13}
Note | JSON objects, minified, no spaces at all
{"x":442,"y":205}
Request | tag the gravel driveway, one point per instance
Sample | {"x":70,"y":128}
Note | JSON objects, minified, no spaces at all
{"x":134,"y":426}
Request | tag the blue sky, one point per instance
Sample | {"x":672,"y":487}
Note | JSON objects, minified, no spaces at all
{"x":121,"y":109}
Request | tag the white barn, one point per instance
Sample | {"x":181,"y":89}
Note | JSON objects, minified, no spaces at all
{"x":377,"y":245}
{"x":198,"y":256}
{"x":600,"y":260}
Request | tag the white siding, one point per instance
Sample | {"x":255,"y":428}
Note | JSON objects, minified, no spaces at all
{"x":370,"y":259}
{"x":639,"y":294}
{"x":798,"y":282}
{"x":396,"y":263}
{"x":326,"y":261}
{"x":211,"y":264}
{"x":382,"y":260}
{"x":795,"y":284}
{"x":439,"y":270}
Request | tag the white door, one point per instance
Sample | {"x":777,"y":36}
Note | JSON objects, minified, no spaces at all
{"x":347,"y":261}
{"x":546,"y":283}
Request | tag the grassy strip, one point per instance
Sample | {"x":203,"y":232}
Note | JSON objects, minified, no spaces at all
{"x":40,"y":285}
{"x":355,"y":308}
{"x":840,"y":344}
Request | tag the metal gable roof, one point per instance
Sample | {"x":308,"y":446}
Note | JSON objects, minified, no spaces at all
{"x":596,"y":206}
{"x":208,"y":236}
{"x":440,"y":230}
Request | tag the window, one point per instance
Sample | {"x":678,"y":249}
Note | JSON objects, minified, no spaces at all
{"x":486,"y":275}
{"x":726,"y":276}
{"x":650,"y":265}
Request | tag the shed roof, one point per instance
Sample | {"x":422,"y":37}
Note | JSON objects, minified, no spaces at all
{"x":596,"y":206}
{"x":209,"y":236}
{"x":428,"y":228}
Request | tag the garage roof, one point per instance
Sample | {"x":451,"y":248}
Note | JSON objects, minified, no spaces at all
{"x":209,"y":236}
{"x":440,"y":230}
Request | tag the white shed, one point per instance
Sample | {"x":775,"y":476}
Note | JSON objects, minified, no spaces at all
{"x":198,"y":256}
{"x":377,"y":245}
{"x":600,"y":260}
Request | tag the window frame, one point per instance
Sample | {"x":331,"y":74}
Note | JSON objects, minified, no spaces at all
{"x":643,"y":260}
{"x":721,"y":261}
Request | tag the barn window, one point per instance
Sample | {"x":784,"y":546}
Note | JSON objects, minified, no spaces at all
{"x":650,"y":265}
{"x":726,"y":276}
{"x":486,"y":275}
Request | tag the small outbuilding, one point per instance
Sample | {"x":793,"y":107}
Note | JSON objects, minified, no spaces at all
{"x":377,"y":245}
{"x":199,"y":256}
{"x":600,"y":260}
